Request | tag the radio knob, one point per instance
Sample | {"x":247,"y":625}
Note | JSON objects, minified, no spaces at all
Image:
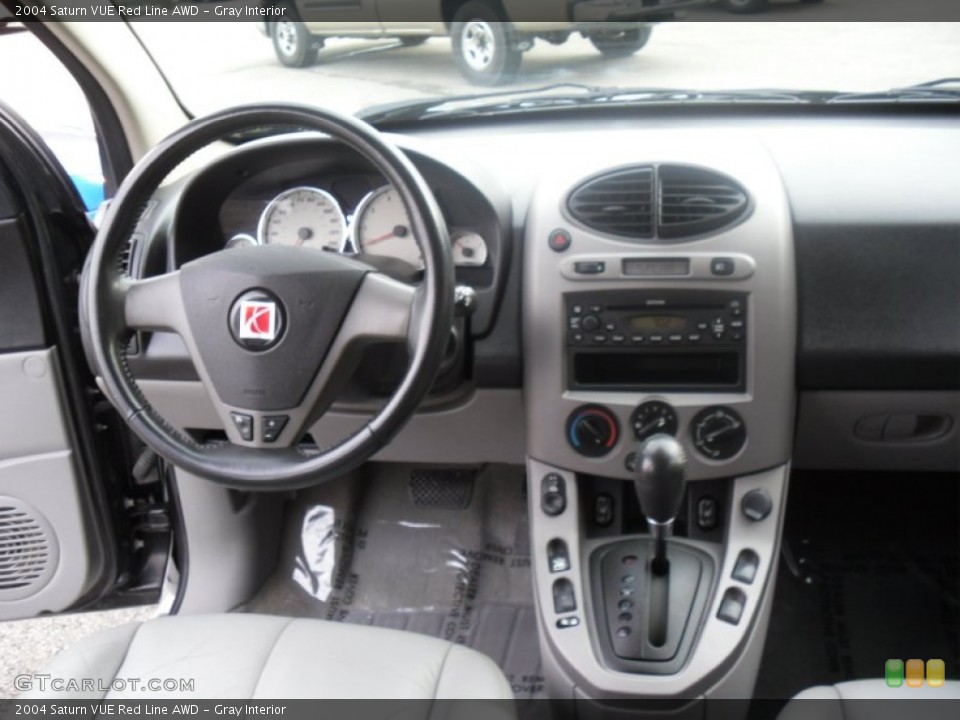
{"x":590,"y":323}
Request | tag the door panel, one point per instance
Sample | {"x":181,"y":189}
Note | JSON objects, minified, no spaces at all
{"x":47,"y":562}
{"x":57,"y":531}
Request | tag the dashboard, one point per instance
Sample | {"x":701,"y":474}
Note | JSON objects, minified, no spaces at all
{"x":749,"y":282}
{"x":870,"y":267}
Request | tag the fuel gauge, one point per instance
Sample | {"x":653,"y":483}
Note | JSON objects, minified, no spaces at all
{"x":469,"y":249}
{"x":241,"y":240}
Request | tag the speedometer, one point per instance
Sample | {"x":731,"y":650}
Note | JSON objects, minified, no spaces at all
{"x":382,"y":227}
{"x":303,"y":216}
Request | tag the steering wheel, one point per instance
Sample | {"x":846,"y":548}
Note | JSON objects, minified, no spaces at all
{"x":273,"y":331}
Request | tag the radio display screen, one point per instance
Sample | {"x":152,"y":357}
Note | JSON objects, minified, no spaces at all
{"x":653,"y":370}
{"x":655,"y":323}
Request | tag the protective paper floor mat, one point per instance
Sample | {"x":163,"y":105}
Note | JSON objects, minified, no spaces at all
{"x":452,"y":563}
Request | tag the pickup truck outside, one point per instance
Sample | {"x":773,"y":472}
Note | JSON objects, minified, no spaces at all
{"x":489,"y":37}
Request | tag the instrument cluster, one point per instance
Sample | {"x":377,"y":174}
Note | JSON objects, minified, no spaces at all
{"x":311,"y":217}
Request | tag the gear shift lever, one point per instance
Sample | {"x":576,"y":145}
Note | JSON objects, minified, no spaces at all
{"x":660,"y":480}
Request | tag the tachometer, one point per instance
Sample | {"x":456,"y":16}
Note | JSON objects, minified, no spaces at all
{"x":382,"y":227}
{"x":303,"y":216}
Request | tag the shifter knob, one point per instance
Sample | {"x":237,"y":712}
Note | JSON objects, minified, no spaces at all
{"x":661,"y":478}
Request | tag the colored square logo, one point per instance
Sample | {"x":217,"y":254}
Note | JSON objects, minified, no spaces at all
{"x":914,"y":673}
{"x":893,"y":672}
{"x":936,"y":672}
{"x":258,"y":320}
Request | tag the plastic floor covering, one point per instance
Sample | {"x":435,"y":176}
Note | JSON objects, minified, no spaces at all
{"x":440,"y":552}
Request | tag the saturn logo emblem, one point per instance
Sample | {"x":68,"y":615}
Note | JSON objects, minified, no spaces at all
{"x":257,"y":320}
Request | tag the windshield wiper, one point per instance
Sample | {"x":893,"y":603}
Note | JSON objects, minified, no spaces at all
{"x":571,"y":95}
{"x":942,"y":90}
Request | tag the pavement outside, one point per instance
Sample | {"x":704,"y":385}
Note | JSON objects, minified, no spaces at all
{"x":28,"y":645}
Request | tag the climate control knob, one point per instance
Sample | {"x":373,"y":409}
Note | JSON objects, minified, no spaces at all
{"x":654,"y":417}
{"x":718,"y":432}
{"x":592,"y":430}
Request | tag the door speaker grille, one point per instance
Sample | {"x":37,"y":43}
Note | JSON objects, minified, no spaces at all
{"x":28,"y":553}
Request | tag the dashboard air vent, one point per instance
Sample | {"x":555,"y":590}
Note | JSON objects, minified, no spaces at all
{"x":693,"y":201}
{"x":619,"y":203}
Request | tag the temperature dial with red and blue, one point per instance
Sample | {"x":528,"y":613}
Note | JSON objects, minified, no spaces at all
{"x":592,"y":430}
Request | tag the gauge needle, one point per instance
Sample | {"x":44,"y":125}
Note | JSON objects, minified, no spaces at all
{"x":381,"y":238}
{"x":303,"y":234}
{"x":399,"y":231}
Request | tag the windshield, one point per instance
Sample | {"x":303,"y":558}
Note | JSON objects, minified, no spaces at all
{"x":352,"y":67}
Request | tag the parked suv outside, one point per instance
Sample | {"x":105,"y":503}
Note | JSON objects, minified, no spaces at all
{"x":489,"y":36}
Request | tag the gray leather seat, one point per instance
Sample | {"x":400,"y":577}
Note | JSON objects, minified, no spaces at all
{"x":257,"y":656}
{"x":870,"y":700}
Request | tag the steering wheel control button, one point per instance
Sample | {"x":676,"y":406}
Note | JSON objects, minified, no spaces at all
{"x":707,"y":513}
{"x":553,"y":494}
{"x":244,"y":425}
{"x":722,"y":267}
{"x":732,"y":605}
{"x":745,"y":569}
{"x":257,"y":320}
{"x":558,"y":556}
{"x":653,"y":418}
{"x":756,"y":505}
{"x":592,"y":430}
{"x":564,"y":599}
{"x":559,"y":240}
{"x":273,"y":425}
{"x":719,"y":433}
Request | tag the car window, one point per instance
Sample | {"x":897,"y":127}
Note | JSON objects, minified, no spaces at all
{"x":39,"y":88}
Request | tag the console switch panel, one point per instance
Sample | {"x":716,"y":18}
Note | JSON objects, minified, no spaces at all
{"x":564,"y":598}
{"x":558,"y":556}
{"x":732,"y":605}
{"x":553,"y":494}
{"x":745,"y":569}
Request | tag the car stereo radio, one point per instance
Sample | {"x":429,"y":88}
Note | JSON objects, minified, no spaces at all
{"x":677,"y":340}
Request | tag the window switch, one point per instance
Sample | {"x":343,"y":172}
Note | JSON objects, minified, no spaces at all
{"x":558,"y":557}
{"x":564,"y":599}
{"x":732,"y":605}
{"x":745,"y":569}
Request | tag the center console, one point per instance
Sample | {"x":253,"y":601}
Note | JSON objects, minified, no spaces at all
{"x":659,"y":345}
